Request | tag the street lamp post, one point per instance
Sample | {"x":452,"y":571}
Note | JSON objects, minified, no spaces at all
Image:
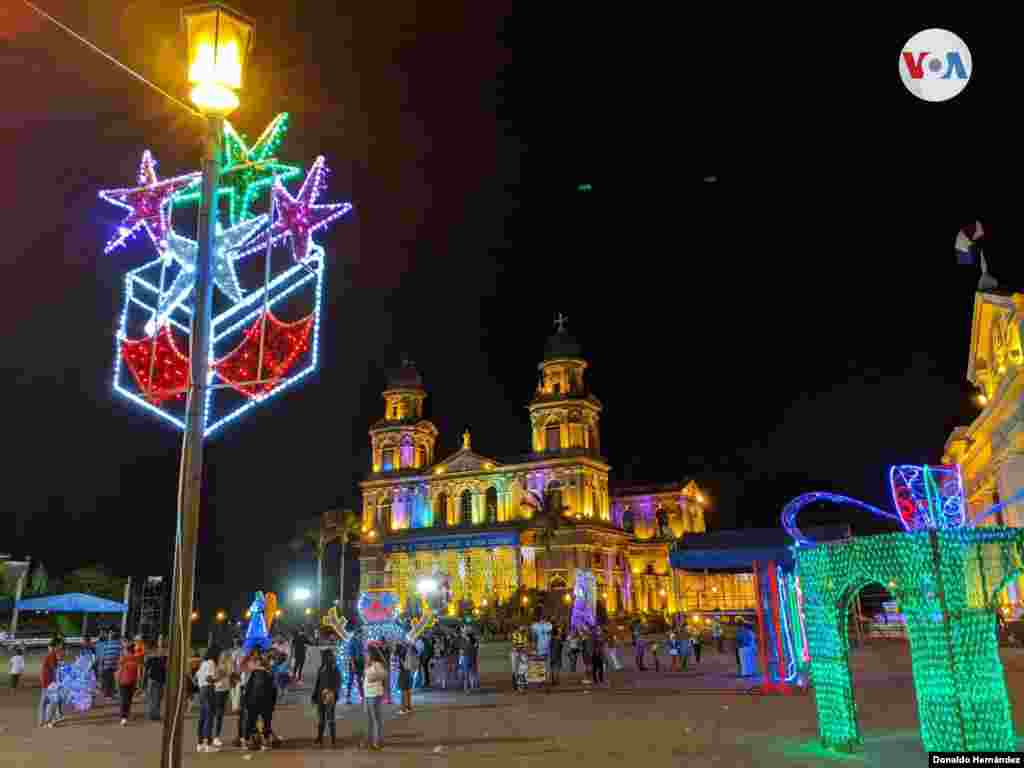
{"x":218,"y":41}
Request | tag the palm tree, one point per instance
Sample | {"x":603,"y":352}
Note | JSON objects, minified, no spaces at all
{"x":334,"y":525}
{"x":349,"y":527}
{"x":550,"y":510}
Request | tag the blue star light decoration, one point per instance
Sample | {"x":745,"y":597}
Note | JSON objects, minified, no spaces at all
{"x":255,"y":308}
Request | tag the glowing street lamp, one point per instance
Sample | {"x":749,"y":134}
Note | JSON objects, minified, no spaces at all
{"x":301,"y":594}
{"x":221,"y":616}
{"x":219,"y":40}
{"x":309,"y":611}
{"x":195,"y":615}
{"x":426,"y":586}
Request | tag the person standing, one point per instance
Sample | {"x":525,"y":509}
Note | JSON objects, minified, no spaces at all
{"x":716,"y":635}
{"x":299,"y":644}
{"x":325,"y":696}
{"x":47,"y":677}
{"x":128,"y":669}
{"x":696,"y":641}
{"x":17,"y":667}
{"x":597,"y":659}
{"x":376,"y":678}
{"x":673,"y":651}
{"x":237,"y":656}
{"x":221,"y":691}
{"x":426,"y":658}
{"x":156,"y":678}
{"x":246,"y":664}
{"x":205,"y":678}
{"x":356,"y":668}
{"x":588,"y":656}
{"x":472,"y":654}
{"x":407,"y":663}
{"x":259,"y":692}
{"x":556,"y":656}
{"x":108,"y":654}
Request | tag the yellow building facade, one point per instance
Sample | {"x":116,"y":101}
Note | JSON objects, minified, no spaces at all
{"x":990,"y":450}
{"x":466,"y":520}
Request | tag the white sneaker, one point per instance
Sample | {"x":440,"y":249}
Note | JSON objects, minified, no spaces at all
{"x":211,"y":748}
{"x":124,"y":721}
{"x":218,"y":743}
{"x":200,"y":748}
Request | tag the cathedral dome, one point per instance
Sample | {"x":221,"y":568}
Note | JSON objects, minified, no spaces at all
{"x":562,"y":344}
{"x":406,"y":377}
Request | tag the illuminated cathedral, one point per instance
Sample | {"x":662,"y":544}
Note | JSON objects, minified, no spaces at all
{"x":464,"y":521}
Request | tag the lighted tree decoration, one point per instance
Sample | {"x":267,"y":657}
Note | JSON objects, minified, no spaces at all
{"x":266,"y":319}
{"x":946,"y":574}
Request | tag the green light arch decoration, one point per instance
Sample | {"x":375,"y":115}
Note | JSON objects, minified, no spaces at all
{"x":946,"y":583}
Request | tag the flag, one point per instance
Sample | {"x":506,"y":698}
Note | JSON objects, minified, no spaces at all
{"x":967,"y":242}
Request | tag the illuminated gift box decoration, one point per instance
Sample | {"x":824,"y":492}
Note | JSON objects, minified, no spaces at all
{"x":266,"y":321}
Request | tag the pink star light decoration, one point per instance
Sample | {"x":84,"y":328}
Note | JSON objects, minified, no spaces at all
{"x":146,"y":204}
{"x":300,"y":216}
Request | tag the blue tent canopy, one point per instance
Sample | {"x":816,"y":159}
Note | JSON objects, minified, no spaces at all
{"x":74,"y":602}
{"x":738,"y":549}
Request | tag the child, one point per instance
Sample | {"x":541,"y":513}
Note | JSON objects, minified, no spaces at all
{"x":325,"y":695}
{"x":17,"y":667}
{"x":654,"y":656}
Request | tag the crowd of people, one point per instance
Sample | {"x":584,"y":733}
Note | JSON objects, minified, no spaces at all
{"x":255,"y":682}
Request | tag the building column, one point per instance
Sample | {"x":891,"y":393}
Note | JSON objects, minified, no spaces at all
{"x":1010,"y":481}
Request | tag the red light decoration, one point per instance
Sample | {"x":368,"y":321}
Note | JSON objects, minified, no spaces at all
{"x":160,"y":355}
{"x":283,"y":344}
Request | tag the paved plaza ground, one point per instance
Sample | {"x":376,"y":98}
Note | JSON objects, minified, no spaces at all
{"x":698,"y":718}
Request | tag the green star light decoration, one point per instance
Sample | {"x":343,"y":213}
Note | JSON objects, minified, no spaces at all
{"x":247,"y":172}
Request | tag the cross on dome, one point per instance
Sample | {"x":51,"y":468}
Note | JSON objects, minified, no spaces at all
{"x":560,"y":321}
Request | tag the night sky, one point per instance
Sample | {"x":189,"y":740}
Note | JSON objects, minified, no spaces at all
{"x":800,"y":325}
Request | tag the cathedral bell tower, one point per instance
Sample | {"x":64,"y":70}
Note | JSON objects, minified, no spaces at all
{"x":564,"y":416}
{"x":403,"y":439}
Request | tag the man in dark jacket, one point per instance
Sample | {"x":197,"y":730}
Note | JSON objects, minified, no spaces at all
{"x":299,"y":652}
{"x":260,"y":695}
{"x":425,"y":659}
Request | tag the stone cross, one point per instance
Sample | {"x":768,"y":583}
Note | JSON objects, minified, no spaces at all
{"x":560,"y":322}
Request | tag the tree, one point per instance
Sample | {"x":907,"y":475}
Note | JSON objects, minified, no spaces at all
{"x":39,"y":580}
{"x":95,"y":580}
{"x":551,"y":512}
{"x":334,"y":525}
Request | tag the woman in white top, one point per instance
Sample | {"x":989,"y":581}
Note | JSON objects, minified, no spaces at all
{"x":373,"y":693}
{"x":205,"y":678}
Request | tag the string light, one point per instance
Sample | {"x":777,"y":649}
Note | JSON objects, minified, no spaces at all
{"x":300,"y":216}
{"x":246,"y":172}
{"x":157,"y":370}
{"x":147,"y":204}
{"x":961,"y":690}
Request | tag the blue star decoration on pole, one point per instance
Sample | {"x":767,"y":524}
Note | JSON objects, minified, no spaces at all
{"x":185,"y":252}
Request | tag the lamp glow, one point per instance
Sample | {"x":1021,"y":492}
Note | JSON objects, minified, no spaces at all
{"x":426,"y":586}
{"x":301,"y":594}
{"x":219,"y":39}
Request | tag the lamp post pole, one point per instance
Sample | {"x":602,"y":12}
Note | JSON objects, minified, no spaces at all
{"x":191,"y":477}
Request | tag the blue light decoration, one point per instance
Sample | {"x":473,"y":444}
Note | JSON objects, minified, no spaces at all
{"x":926,"y":498}
{"x":257,"y":636}
{"x":76,"y":684}
{"x":257,"y":350}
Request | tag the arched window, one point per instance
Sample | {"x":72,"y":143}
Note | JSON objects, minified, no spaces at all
{"x":596,"y":501}
{"x":441,"y":510}
{"x":491,"y":504}
{"x":552,"y":437}
{"x":405,"y":453}
{"x":592,"y":439}
{"x":421,"y":456}
{"x":385,"y":514}
{"x":388,"y":459}
{"x":466,"y":508}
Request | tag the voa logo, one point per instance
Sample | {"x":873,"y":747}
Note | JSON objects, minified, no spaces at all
{"x":935,"y":65}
